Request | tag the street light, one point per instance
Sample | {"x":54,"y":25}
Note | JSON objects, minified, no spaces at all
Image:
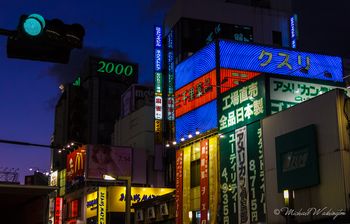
{"x":127,"y":193}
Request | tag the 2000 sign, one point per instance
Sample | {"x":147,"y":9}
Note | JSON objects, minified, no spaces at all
{"x":118,"y":69}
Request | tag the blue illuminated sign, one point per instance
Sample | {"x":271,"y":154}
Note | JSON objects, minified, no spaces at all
{"x":249,"y":57}
{"x":192,"y":121}
{"x":200,"y":63}
{"x":280,"y":61}
{"x":293,"y":31}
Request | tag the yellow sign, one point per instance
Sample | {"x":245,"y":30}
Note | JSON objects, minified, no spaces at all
{"x":102,"y":201}
{"x":91,"y":205}
{"x":116,"y":196}
{"x":62,"y":182}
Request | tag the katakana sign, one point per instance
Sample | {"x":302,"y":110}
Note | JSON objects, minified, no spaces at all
{"x":280,"y":61}
{"x":287,"y":93}
{"x":242,"y":105}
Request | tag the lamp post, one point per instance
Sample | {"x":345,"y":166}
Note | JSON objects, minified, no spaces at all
{"x":127,"y":179}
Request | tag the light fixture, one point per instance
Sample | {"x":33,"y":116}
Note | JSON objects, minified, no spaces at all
{"x":59,"y":151}
{"x":197,"y":132}
{"x":174,"y":142}
{"x":108,"y":177}
{"x":190,"y":136}
{"x":167,"y":145}
{"x":68,"y":146}
{"x":221,"y":136}
{"x":182,"y":139}
{"x":72,"y":143}
{"x":285,"y":194}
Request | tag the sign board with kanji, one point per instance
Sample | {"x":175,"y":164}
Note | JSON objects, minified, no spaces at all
{"x":242,"y":105}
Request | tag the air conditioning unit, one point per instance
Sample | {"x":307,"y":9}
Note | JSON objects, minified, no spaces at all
{"x":151,"y":213}
{"x":164,"y":209}
{"x":139,"y":215}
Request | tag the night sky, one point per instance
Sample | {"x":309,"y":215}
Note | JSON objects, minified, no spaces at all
{"x":115,"y":29}
{"x":29,"y":89}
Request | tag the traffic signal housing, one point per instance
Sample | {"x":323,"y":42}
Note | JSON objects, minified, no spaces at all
{"x":44,"y":40}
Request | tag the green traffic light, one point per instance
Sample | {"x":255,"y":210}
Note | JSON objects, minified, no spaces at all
{"x":34,"y":24}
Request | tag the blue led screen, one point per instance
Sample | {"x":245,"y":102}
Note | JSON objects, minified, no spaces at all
{"x":195,"y":66}
{"x":202,"y":119}
{"x":280,"y":61}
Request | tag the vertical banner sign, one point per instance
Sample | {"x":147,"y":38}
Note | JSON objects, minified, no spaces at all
{"x":293,"y":30}
{"x":171,"y":71}
{"x":204,"y":181}
{"x":158,"y":55}
{"x":186,"y":202}
{"x":229,"y":188}
{"x":101,"y":200}
{"x":256,"y":174}
{"x":58,"y":210}
{"x":213,"y":179}
{"x":179,"y":179}
{"x":242,"y":175}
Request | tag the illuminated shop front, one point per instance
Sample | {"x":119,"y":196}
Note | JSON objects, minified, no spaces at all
{"x":221,"y":94}
{"x":108,"y":203}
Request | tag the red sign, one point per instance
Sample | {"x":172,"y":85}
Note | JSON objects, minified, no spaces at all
{"x":204,"y":181}
{"x":58,"y":210}
{"x":230,"y":78}
{"x":74,"y":209}
{"x":179,"y":179}
{"x":75,"y":163}
{"x":195,"y":94}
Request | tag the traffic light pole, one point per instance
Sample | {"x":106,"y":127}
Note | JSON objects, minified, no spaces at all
{"x":5,"y":32}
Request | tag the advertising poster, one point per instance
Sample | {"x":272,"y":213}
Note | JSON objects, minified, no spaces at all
{"x":204,"y":180}
{"x":108,"y":160}
{"x":256,"y":173}
{"x":179,"y":183}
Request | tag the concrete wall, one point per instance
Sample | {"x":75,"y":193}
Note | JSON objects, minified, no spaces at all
{"x":326,"y":112}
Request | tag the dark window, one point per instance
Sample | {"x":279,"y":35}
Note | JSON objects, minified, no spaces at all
{"x":277,"y":38}
{"x":195,"y":173}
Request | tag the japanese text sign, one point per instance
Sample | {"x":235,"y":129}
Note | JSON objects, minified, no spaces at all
{"x":195,"y":94}
{"x":280,"y":61}
{"x":242,"y":105}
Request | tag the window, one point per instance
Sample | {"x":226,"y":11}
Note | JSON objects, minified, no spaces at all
{"x":277,"y":38}
{"x":195,"y":173}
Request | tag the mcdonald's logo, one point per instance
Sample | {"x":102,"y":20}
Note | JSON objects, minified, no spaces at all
{"x":79,"y":162}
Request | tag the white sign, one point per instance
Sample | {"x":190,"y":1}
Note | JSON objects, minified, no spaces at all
{"x":242,"y":174}
{"x":158,"y":108}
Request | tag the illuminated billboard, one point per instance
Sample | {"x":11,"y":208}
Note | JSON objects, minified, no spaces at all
{"x":116,"y":196}
{"x":195,"y":94}
{"x":201,"y":119}
{"x":108,"y":160}
{"x":279,"y":61}
{"x":158,"y":82}
{"x":76,"y":163}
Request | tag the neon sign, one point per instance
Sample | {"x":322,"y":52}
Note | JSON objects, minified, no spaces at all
{"x":195,"y":94}
{"x":115,"y":68}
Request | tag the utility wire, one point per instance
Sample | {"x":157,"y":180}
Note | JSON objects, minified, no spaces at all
{"x":23,"y":143}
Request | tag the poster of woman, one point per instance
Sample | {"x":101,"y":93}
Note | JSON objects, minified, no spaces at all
{"x":108,"y":160}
